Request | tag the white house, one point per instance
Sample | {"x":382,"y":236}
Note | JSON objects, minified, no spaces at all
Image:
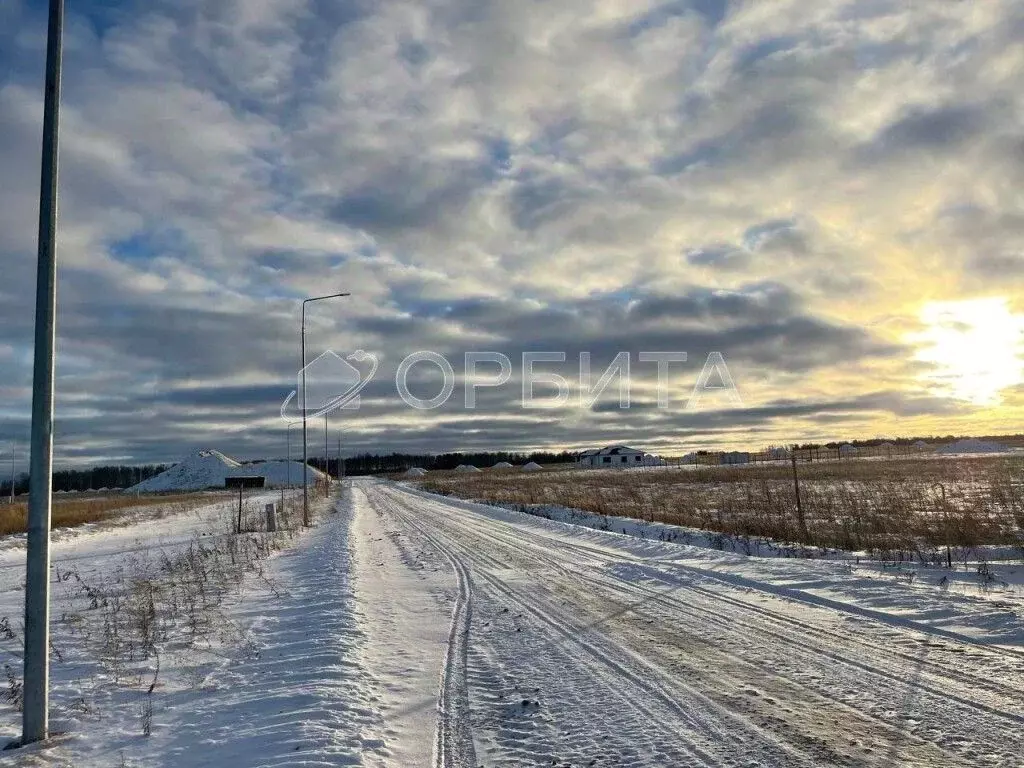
{"x":615,"y":456}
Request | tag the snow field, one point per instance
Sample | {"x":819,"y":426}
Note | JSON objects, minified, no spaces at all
{"x":408,"y":629}
{"x":139,"y":616}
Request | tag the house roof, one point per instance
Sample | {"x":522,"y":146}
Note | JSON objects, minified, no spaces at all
{"x":612,"y":450}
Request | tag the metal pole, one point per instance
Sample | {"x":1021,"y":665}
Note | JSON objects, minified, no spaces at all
{"x":327,"y":456}
{"x":305,"y":480}
{"x":35,"y":717}
{"x":13,"y":459}
{"x":305,"y":457}
{"x":288,"y":439}
{"x":341,"y":474}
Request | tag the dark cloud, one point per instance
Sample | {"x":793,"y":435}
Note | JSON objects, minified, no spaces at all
{"x":723,"y":256}
{"x":943,"y":129}
{"x":1004,"y":265}
{"x":695,"y":176}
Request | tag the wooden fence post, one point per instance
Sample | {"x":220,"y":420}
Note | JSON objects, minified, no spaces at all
{"x":799,"y":507}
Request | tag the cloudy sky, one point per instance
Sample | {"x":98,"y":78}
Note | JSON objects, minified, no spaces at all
{"x":827,"y":193}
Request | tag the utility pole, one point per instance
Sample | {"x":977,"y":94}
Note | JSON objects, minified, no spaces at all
{"x":327,"y":456}
{"x":288,"y":442}
{"x":305,"y":458}
{"x":238,"y":525}
{"x":13,"y":458}
{"x":35,"y":715}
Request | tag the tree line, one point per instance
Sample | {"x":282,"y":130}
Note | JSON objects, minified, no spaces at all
{"x":373,"y":463}
{"x":906,"y":441}
{"x":92,"y":479}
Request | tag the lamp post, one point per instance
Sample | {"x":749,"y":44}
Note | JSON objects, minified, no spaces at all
{"x":35,"y":712}
{"x":288,"y":469}
{"x":305,"y":457}
{"x":13,"y":459}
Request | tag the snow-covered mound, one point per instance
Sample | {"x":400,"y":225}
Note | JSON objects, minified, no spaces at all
{"x":466,"y":468}
{"x":972,"y":445}
{"x":532,"y":467}
{"x":415,"y":472}
{"x":279,"y":473}
{"x":502,"y":465}
{"x":208,"y":469}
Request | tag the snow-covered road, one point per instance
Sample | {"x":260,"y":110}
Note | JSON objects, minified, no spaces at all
{"x":573,"y":648}
{"x":408,"y":630}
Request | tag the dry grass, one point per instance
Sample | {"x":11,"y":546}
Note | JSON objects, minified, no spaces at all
{"x":69,"y":513}
{"x":119,"y":622}
{"x":910,"y":509}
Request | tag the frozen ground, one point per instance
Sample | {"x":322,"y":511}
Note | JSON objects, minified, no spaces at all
{"x":410,"y":630}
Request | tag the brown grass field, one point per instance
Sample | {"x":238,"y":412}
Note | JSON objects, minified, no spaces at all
{"x":904,"y":509}
{"x":68,"y":513}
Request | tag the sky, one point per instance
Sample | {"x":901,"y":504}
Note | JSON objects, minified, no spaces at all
{"x":826,"y":194}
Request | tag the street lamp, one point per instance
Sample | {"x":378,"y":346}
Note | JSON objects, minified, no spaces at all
{"x":288,"y":439}
{"x":35,"y":711}
{"x":14,"y":448}
{"x":305,"y":458}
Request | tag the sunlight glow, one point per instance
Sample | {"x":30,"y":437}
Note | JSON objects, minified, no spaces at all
{"x":976,"y":347}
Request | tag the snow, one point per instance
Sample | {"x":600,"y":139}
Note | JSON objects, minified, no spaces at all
{"x":407,"y":629}
{"x":972,"y":445}
{"x":208,"y":469}
{"x":502,"y":465}
{"x":415,"y":472}
{"x":532,"y":466}
{"x":467,"y":468}
{"x":279,"y":473}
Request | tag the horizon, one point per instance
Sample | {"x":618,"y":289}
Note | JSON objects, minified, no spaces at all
{"x":826,"y":200}
{"x":315,"y":459}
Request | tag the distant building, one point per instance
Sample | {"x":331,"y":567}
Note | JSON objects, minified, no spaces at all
{"x":614,"y":456}
{"x":734,"y":457}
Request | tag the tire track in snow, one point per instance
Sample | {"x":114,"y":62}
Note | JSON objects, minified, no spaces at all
{"x":861,"y":654}
{"x":453,"y":745}
{"x":664,"y":572}
{"x":598,"y":674}
{"x":686,"y":726}
{"x":889,"y":681}
{"x":453,"y":739}
{"x":872,"y":674}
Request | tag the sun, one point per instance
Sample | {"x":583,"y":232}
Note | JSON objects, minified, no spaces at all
{"x":975,"y":348}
